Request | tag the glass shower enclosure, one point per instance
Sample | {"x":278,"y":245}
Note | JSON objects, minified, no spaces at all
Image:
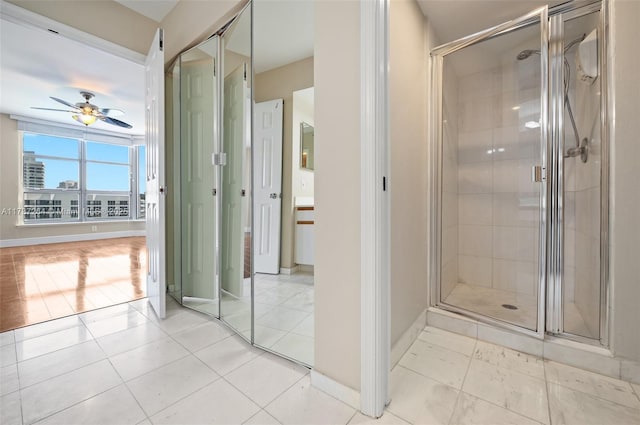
{"x":520,"y":174}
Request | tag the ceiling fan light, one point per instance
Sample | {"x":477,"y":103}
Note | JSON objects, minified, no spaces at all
{"x":85,"y":119}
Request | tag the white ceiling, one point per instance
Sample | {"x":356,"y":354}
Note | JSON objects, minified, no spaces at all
{"x":283,"y":32}
{"x":36,"y":64}
{"x":153,"y":9}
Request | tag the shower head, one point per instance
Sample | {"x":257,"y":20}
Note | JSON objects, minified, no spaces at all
{"x":526,"y":53}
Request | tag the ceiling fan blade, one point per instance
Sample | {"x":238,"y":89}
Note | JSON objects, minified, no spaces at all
{"x":57,"y":110}
{"x":115,"y":122}
{"x":110,"y":112}
{"x":70,"y":105}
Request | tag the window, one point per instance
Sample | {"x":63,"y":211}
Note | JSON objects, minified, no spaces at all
{"x":68,"y":179}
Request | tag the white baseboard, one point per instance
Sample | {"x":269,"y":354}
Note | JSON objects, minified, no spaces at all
{"x":408,"y":337}
{"x":291,"y":270}
{"x":6,"y":243}
{"x":335,"y":389}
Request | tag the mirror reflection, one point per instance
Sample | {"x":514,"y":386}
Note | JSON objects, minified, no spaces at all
{"x":235,"y":187}
{"x":198,"y":98}
{"x":283,"y":188}
{"x":306,"y":146}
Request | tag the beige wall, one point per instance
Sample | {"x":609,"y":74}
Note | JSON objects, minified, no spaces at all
{"x":408,"y":181}
{"x":280,"y":83}
{"x":625,"y":173}
{"x":106,"y":19}
{"x":193,"y":21}
{"x":10,"y":194}
{"x":337,"y":190}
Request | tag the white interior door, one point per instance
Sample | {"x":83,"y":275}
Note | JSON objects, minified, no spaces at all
{"x":267,"y":189}
{"x":198,"y":202}
{"x":155,"y":199}
{"x":233,"y":190}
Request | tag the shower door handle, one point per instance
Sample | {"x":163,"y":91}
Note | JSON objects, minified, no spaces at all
{"x":538,"y":174}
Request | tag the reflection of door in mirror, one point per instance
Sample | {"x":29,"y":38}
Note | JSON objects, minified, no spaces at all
{"x":284,"y":291}
{"x":198,"y":96}
{"x":235,"y":205}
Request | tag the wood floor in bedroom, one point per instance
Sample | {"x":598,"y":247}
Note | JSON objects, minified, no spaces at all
{"x":44,"y":282}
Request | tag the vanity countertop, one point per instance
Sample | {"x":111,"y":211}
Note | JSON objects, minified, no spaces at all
{"x":304,"y":201}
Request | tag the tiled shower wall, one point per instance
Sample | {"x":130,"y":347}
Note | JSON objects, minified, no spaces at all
{"x":582,"y":206}
{"x":498,"y":204}
{"x":449,"y":276}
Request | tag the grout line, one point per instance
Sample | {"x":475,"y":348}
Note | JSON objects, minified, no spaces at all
{"x":546,"y":387}
{"x":455,"y":405}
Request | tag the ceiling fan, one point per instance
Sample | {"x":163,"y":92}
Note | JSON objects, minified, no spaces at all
{"x":87,"y":113}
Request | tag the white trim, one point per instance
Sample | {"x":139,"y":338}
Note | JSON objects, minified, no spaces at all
{"x":20,"y":16}
{"x":51,"y":128}
{"x":6,"y":243}
{"x":288,"y":270}
{"x":408,"y":338}
{"x":335,"y":389}
{"x":374,"y":204}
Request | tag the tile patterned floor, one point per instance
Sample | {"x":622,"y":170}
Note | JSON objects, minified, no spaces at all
{"x":120,"y":365}
{"x":283,"y":313}
{"x":44,"y":282}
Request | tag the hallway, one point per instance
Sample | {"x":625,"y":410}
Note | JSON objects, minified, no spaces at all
{"x":120,"y":365}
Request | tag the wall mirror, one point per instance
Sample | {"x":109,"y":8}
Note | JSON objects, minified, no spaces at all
{"x":306,"y":146}
{"x":283,"y":193}
{"x":235,"y":185}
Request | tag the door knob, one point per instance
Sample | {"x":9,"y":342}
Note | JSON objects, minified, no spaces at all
{"x":273,"y":196}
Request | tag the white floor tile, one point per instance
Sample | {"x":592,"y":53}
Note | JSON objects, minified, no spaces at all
{"x":181,"y":320}
{"x":306,"y":327}
{"x":56,"y":394}
{"x":282,"y":318}
{"x":303,"y":301}
{"x":129,"y":339}
{"x":265,"y":377}
{"x":515,"y":391}
{"x":141,"y":360}
{"x":294,"y":346}
{"x":7,"y":338}
{"x":46,"y":328}
{"x":509,"y":359}
{"x":168,"y":384}
{"x":601,"y":386}
{"x":201,"y":336}
{"x":8,"y":355}
{"x":471,"y":410}
{"x":387,"y":418}
{"x":636,"y":389}
{"x":217,"y":403}
{"x":302,"y":404}
{"x":433,"y":361}
{"x":10,"y":410}
{"x":114,"y":407}
{"x":9,"y":379}
{"x":228,"y":354}
{"x":145,"y":422}
{"x":420,"y":400}
{"x":117,"y":323}
{"x":107,"y":312}
{"x":59,"y":362}
{"x":262,"y":418}
{"x":577,"y":408}
{"x":265,"y":337}
{"x":449,"y":340}
{"x":48,"y":343}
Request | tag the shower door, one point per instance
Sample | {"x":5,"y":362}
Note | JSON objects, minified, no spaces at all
{"x":521,"y":174}
{"x":492,"y":227}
